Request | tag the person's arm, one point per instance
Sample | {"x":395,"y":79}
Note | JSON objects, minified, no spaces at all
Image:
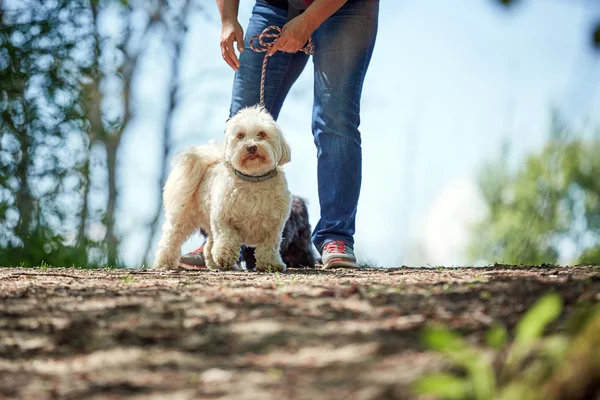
{"x":231,"y":31}
{"x":296,"y":32}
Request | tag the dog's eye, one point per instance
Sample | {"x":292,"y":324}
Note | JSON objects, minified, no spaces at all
{"x":240,"y":135}
{"x":261,"y":134}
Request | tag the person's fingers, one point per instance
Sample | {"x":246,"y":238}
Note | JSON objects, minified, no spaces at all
{"x":229,"y":61}
{"x":278,"y":45}
{"x":227,"y":57}
{"x":229,"y":49}
{"x":288,"y":44}
{"x":228,"y":53}
{"x":233,"y":56}
{"x":292,"y":46}
{"x":239,"y":38}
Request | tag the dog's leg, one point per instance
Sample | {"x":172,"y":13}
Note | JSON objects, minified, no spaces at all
{"x":268,"y":258}
{"x":208,"y":248}
{"x":226,"y":248}
{"x":175,"y":231}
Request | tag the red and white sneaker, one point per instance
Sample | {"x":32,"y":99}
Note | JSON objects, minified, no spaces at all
{"x":337,"y":254}
{"x":194,"y":259}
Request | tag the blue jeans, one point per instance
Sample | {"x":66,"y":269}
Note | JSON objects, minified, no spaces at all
{"x":343,"y":47}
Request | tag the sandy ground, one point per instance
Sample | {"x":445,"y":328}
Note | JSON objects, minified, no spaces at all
{"x":306,"y":334}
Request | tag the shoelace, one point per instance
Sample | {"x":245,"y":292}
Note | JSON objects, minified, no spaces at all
{"x":198,"y":250}
{"x":336,"y":246}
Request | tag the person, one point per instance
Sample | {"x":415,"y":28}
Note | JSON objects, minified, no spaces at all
{"x":343,"y":34}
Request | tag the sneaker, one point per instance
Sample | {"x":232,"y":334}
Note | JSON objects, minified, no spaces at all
{"x":337,"y":254}
{"x":194,"y":259}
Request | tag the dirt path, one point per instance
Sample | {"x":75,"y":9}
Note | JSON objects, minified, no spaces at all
{"x":79,"y":334}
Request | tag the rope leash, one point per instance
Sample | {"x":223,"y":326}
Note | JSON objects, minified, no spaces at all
{"x":272,"y":32}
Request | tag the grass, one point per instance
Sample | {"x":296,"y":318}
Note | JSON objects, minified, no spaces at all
{"x":530,"y":367}
{"x":128,"y":279}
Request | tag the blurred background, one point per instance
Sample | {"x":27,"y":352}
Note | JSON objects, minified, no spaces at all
{"x":480,"y":124}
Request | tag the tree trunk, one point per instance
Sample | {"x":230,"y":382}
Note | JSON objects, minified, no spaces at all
{"x":178,"y":40}
{"x":112,"y":241}
{"x":23,"y":198}
{"x":85,"y":173}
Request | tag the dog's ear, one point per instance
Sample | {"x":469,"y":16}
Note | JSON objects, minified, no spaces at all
{"x":284,"y":151}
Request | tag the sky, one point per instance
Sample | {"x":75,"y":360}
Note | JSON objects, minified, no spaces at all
{"x":448,"y":83}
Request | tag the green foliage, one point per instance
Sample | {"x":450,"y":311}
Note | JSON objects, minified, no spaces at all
{"x":530,"y":329}
{"x":590,"y":256}
{"x":496,"y":337}
{"x":479,"y":381}
{"x":51,"y":117}
{"x":552,"y":199}
{"x":534,"y":322}
{"x":42,"y":133}
{"x":530,"y":367}
{"x":444,"y":386}
{"x":128,"y":279}
{"x":43,"y":246}
{"x":65,"y":103}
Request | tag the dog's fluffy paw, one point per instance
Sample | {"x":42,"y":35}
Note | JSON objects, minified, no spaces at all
{"x":270,"y":267}
{"x":166,"y":264}
{"x":224,"y":263}
{"x":211,"y":264}
{"x":224,"y":267}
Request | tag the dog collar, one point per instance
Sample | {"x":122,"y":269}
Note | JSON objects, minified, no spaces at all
{"x":258,"y":178}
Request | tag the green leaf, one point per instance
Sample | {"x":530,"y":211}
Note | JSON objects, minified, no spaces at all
{"x":555,"y":346}
{"x":531,"y":328}
{"x":452,"y":345}
{"x":516,"y":390}
{"x":442,"y":385}
{"x":496,"y":337}
{"x":532,"y":325}
{"x":482,"y":377}
{"x":442,"y":339}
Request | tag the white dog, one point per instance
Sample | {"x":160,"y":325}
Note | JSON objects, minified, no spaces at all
{"x":236,"y":192}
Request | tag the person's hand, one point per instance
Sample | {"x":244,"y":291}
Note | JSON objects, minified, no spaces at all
{"x":231,"y":32}
{"x":294,"y":35}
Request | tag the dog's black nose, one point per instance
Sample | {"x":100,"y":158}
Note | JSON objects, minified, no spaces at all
{"x":251,"y":149}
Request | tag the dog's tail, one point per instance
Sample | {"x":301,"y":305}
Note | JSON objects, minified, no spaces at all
{"x":189,"y":168}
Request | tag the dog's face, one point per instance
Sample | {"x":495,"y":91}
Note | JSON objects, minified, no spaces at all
{"x":254,"y":143}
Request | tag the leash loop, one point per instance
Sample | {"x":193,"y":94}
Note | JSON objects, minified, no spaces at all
{"x":272,"y":32}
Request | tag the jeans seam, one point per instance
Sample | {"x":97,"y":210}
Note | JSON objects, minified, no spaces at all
{"x":287,"y":67}
{"x":344,"y":49}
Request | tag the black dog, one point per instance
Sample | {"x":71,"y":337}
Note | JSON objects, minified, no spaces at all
{"x":296,"y":246}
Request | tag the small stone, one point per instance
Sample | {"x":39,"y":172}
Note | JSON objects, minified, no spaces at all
{"x":215,"y":375}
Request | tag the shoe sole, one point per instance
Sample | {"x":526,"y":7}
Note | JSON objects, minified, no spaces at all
{"x":190,"y":267}
{"x":339,"y":263}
